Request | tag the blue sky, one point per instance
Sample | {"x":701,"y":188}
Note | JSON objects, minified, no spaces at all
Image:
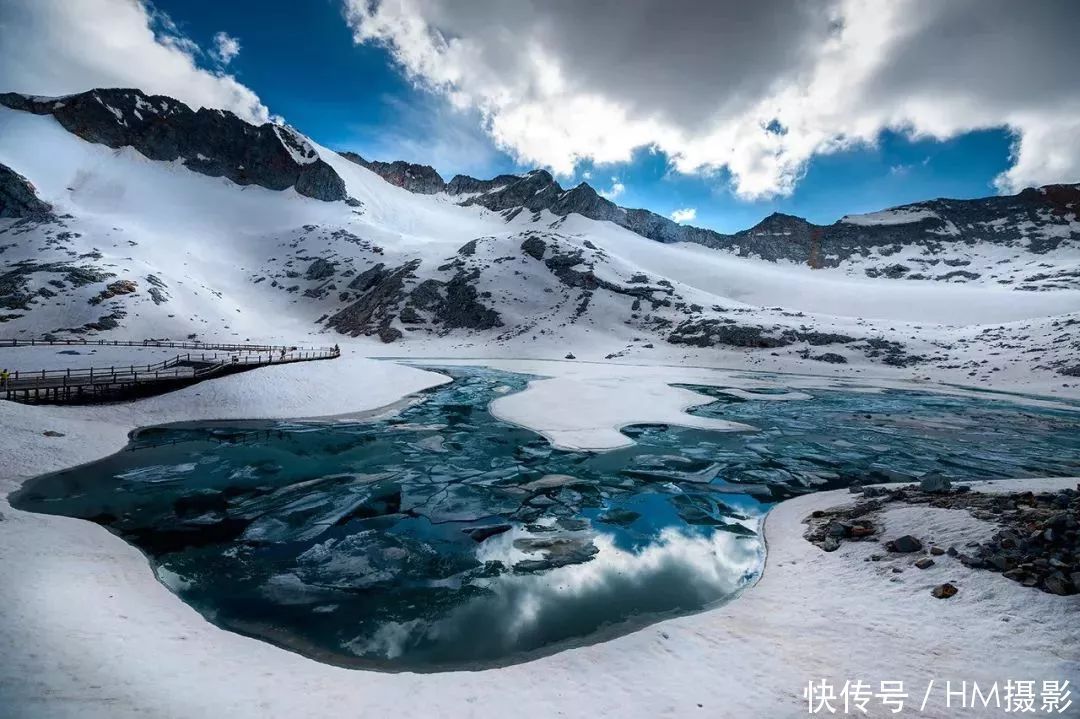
{"x":301,"y":60}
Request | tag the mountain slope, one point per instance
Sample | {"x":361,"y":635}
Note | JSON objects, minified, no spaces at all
{"x":142,"y":247}
{"x":1036,"y":232}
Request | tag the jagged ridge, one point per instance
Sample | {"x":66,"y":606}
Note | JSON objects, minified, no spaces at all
{"x":1040,"y":219}
{"x":211,"y":142}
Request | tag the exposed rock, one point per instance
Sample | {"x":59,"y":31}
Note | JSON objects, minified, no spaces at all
{"x":711,"y":332}
{"x":924,"y":563}
{"x":381,"y":293}
{"x":904,"y":545}
{"x":320,"y":269}
{"x":935,"y":483}
{"x":462,"y":308}
{"x":18,"y":197}
{"x":120,"y":287}
{"x":534,"y":247}
{"x":421,"y":179}
{"x":830,"y":357}
{"x":944,"y":591}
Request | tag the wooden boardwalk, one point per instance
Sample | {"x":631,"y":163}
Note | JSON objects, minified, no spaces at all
{"x":102,"y":384}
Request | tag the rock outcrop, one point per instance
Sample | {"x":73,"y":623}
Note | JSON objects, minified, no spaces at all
{"x":210,"y":142}
{"x":421,"y":179}
{"x":18,"y":199}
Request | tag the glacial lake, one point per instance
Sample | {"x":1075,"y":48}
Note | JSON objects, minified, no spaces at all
{"x":441,"y":538}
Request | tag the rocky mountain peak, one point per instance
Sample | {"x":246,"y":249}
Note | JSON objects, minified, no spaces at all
{"x":210,"y":142}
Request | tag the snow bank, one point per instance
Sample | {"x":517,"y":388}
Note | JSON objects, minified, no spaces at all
{"x":88,"y":632}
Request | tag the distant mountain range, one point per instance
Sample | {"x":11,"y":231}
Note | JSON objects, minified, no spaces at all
{"x":1037,"y":219}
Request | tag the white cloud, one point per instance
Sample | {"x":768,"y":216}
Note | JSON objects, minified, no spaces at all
{"x":226,"y":48}
{"x":58,"y":47}
{"x":761,"y":87}
{"x":616,"y":189}
{"x":686,"y":214}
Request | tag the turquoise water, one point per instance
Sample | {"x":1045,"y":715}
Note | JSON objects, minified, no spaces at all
{"x":442,"y":538}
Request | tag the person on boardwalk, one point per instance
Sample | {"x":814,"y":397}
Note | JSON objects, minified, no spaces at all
{"x":4,"y":376}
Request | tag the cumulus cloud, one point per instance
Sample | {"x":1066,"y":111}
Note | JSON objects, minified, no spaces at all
{"x":226,"y":48}
{"x":756,"y":89}
{"x":57,"y":47}
{"x":616,"y":189}
{"x":686,"y":214}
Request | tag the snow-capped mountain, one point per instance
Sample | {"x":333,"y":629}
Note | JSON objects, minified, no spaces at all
{"x":944,"y":240}
{"x":135,"y":216}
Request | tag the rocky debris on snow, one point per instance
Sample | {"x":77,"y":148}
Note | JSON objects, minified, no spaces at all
{"x":382,"y":290}
{"x":723,"y":331}
{"x":893,"y":272}
{"x":210,"y":142}
{"x":829,"y":529}
{"x":890,"y":352}
{"x":389,"y":294}
{"x":535,"y":247}
{"x":904,"y":545}
{"x":829,"y":357}
{"x":52,"y":433}
{"x":120,"y":287}
{"x":18,"y":198}
{"x":1037,"y":544}
{"x":106,"y":322}
{"x":157,"y":289}
{"x":15,"y":282}
{"x":319,"y":269}
{"x":924,"y":563}
{"x":944,"y":591}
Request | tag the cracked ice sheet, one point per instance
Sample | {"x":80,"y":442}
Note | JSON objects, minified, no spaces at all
{"x":582,"y":405}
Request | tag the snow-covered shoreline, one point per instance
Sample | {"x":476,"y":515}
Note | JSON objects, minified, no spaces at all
{"x":88,"y":631}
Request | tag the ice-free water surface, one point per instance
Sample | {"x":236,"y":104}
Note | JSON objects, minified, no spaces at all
{"x":443,"y":538}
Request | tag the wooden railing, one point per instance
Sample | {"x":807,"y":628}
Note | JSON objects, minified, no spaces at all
{"x":102,"y":383}
{"x":179,"y":344}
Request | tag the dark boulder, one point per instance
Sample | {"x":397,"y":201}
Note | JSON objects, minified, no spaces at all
{"x":904,"y":545}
